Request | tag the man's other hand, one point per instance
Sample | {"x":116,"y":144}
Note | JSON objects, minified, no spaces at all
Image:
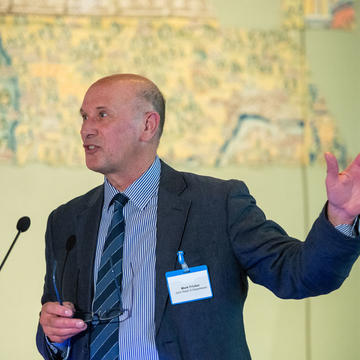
{"x":58,"y":323}
{"x":343,"y":191}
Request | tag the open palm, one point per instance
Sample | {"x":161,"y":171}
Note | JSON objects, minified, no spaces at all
{"x":343,"y":190}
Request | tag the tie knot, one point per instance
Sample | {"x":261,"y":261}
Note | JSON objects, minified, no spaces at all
{"x":120,"y":199}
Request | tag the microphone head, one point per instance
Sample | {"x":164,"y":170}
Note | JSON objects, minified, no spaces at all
{"x":23,"y":224}
{"x":70,"y":242}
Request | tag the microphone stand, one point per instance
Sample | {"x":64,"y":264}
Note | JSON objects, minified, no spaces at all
{"x":12,"y":245}
{"x":22,"y":225}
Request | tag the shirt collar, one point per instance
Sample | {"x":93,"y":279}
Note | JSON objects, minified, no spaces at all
{"x":141,"y":190}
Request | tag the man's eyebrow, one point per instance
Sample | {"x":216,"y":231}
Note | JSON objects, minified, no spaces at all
{"x":97,"y":108}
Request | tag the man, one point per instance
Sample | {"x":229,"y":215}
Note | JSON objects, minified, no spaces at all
{"x":214,"y":222}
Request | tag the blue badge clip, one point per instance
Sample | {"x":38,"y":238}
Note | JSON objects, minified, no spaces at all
{"x":182,"y":262}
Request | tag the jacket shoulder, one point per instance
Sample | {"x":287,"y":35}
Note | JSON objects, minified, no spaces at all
{"x":202,"y":183}
{"x":79,"y":203}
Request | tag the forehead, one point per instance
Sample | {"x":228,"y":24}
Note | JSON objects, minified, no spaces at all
{"x":109,"y":94}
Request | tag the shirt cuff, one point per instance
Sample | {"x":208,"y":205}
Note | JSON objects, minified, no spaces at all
{"x":60,"y":350}
{"x":351,"y":230}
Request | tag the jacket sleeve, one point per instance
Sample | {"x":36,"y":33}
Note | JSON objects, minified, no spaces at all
{"x":288,"y":267}
{"x":48,"y":293}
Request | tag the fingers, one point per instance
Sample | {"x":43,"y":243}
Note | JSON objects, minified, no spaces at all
{"x":355,"y":163}
{"x":332,"y":164}
{"x":57,"y":322}
{"x":54,"y":308}
{"x":357,"y":160}
{"x":70,"y":306}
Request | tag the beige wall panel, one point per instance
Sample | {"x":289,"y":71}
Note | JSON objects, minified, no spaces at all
{"x":33,"y":191}
{"x":335,"y":318}
{"x":5,"y":5}
{"x":186,"y":8}
{"x":37,"y":6}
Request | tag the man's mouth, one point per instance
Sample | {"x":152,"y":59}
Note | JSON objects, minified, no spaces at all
{"x":90,"y":148}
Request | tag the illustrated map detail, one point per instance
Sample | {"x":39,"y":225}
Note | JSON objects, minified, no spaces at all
{"x":233,"y":96}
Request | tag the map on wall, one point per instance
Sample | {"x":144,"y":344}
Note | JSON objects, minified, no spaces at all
{"x":233,"y":96}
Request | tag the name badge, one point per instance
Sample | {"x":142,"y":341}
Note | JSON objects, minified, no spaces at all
{"x":188,"y":284}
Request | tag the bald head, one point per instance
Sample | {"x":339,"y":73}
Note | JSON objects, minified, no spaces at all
{"x":122,"y":122}
{"x":144,"y":90}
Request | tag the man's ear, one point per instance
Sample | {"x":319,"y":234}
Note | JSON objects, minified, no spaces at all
{"x":151,"y":126}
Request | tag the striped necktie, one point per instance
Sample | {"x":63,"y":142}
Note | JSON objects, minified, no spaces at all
{"x":104,"y":335}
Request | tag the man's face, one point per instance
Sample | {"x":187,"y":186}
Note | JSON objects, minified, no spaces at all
{"x":111,"y":127}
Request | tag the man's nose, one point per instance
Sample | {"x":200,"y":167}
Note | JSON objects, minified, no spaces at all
{"x":87,"y":129}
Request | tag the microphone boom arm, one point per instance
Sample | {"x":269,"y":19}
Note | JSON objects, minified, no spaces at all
{"x":7,"y":254}
{"x":22,"y":225}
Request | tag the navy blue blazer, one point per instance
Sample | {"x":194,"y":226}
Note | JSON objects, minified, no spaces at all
{"x":216,"y":223}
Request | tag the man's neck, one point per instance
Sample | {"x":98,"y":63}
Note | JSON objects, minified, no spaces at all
{"x":122,"y":181}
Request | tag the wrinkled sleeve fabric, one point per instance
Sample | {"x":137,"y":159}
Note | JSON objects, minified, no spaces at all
{"x":59,"y":350}
{"x":46,"y":348}
{"x":288,"y":267}
{"x":41,"y":343}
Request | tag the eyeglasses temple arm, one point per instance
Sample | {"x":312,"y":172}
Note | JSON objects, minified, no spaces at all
{"x":55,"y":287}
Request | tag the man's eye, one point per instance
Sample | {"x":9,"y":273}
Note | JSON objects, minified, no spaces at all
{"x":102,"y":114}
{"x":84,"y":117}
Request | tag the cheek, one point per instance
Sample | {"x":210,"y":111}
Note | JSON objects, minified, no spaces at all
{"x":115,"y":146}
{"x":119,"y":141}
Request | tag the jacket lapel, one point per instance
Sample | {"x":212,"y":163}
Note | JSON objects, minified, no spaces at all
{"x":87,"y":231}
{"x":171,"y":218}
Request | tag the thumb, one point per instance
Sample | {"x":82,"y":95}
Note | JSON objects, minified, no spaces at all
{"x":332,"y":168}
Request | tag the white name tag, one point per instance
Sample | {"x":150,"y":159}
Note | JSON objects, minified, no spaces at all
{"x":188,"y":286}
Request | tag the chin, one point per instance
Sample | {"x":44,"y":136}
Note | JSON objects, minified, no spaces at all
{"x":94,"y":167}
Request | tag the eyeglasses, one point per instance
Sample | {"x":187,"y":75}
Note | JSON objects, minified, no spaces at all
{"x":100,"y":317}
{"x":58,"y":297}
{"x":115,"y":315}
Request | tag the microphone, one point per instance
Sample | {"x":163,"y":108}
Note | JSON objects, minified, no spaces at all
{"x":22,"y":225}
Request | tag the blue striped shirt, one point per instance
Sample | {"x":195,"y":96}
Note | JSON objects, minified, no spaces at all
{"x":137,"y":332}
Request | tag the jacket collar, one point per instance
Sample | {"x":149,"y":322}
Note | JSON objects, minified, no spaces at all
{"x":88,"y":222}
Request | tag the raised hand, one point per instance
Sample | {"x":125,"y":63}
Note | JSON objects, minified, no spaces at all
{"x":343,"y":191}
